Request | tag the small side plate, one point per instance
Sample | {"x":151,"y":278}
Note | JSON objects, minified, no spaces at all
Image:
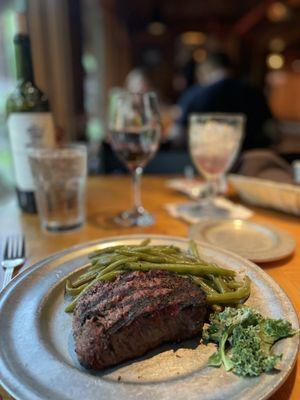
{"x":256,"y":242}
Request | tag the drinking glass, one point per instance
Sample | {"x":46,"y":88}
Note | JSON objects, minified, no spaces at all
{"x":59,"y":176}
{"x":214,"y":142}
{"x":134,"y":125}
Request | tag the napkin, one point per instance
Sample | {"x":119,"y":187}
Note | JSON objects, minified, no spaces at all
{"x":189,"y":212}
{"x":193,"y":188}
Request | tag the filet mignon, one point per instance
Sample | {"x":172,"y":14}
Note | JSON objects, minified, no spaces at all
{"x":123,"y":319}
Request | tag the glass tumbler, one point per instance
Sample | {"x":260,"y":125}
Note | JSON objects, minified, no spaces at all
{"x":60,"y":178}
{"x":214,"y":142}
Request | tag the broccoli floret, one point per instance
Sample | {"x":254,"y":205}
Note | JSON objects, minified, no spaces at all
{"x":244,"y":340}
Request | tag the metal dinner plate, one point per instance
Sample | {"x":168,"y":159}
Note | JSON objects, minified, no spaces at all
{"x":256,"y":242}
{"x":37,"y":359}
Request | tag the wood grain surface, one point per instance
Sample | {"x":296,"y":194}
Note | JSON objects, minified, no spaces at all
{"x":109,"y":195}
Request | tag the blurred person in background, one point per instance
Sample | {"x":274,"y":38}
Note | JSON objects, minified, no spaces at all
{"x":219,"y":90}
{"x":138,"y":81}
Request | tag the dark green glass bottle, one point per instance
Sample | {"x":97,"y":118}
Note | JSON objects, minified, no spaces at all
{"x":30,"y":122}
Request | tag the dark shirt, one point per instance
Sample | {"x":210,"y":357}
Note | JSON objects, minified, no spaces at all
{"x":230,"y":95}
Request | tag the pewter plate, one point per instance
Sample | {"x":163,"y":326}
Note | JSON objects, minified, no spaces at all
{"x":256,"y":242}
{"x":37,"y":359}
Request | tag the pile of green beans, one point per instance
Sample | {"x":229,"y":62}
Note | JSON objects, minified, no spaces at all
{"x":219,"y":284}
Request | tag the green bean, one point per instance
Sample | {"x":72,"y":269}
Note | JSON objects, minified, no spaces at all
{"x":145,"y":242}
{"x":195,"y":269}
{"x":84,"y":278}
{"x":188,"y":258}
{"x":107,"y":277}
{"x":141,"y":247}
{"x":158,"y":258}
{"x":193,"y":249}
{"x":154,"y":249}
{"x":225,"y":284}
{"x":234,"y":297}
{"x":233,"y":285}
{"x":106,"y":250}
{"x":114,"y":265}
{"x":85,"y":272}
{"x":104,"y":263}
{"x":176,"y":258}
{"x":70,"y":307}
{"x":169,"y":257}
{"x":100,"y":252}
{"x":110,"y":275}
{"x":228,"y":278}
{"x":74,"y":291}
{"x":107,"y":269}
{"x":155,"y":259}
{"x":94,"y":270}
{"x":220,"y":284}
{"x":212,"y":284}
{"x":207,"y":289}
{"x":104,"y":258}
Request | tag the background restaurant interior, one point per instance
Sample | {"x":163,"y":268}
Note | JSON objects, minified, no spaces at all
{"x":85,"y":50}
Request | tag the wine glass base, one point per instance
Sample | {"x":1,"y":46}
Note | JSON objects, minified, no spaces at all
{"x":134,"y":218}
{"x":198,"y":210}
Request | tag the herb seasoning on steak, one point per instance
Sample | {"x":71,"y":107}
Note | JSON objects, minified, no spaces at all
{"x":123,"y":319}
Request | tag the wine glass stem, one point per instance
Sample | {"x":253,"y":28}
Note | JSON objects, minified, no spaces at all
{"x":213,"y":186}
{"x":136,"y":181}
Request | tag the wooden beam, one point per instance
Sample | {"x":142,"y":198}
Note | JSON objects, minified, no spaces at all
{"x":251,"y":18}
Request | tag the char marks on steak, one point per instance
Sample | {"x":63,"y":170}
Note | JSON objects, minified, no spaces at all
{"x":122,"y":319}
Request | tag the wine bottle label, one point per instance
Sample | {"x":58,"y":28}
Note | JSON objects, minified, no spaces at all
{"x":26,"y":130}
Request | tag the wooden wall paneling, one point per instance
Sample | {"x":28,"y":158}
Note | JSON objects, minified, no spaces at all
{"x":54,"y":62}
{"x":116,"y":47}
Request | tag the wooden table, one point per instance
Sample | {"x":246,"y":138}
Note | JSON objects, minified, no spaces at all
{"x":109,"y":195}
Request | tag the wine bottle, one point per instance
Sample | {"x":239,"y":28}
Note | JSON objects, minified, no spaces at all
{"x":30,"y":122}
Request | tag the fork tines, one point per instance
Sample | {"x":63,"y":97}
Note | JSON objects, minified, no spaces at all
{"x":14,"y":247}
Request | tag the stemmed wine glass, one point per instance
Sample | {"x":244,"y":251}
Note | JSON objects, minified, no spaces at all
{"x":214,"y":142}
{"x":134,"y":125}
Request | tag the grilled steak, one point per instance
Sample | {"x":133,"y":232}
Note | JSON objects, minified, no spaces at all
{"x":122,"y":319}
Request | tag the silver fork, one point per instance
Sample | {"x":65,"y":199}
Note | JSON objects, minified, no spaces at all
{"x":13,"y":256}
